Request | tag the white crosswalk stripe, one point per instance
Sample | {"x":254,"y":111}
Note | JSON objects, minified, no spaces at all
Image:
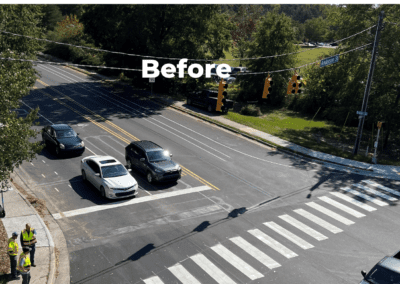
{"x":211,"y":269}
{"x":303,"y":227}
{"x":365,"y":196}
{"x":255,"y":252}
{"x":395,"y":192}
{"x":153,"y":280}
{"x":183,"y":275}
{"x":375,"y":192}
{"x":290,"y":236}
{"x":318,"y":221}
{"x":272,"y":243}
{"x":342,"y":207}
{"x":330,"y":213}
{"x":353,"y":201}
{"x":237,"y":262}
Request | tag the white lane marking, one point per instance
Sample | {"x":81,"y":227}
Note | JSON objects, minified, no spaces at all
{"x":330,"y":213}
{"x":37,"y":113}
{"x":345,"y":208}
{"x":354,"y":201}
{"x":255,"y":252}
{"x":70,"y":186}
{"x":183,"y":275}
{"x":303,"y":227}
{"x":56,"y":173}
{"x":395,"y":192}
{"x":153,"y":280}
{"x":56,"y":189}
{"x":211,"y":269}
{"x":373,"y":191}
{"x":32,"y":164}
{"x":318,"y":221}
{"x":288,"y":235}
{"x":130,"y":202}
{"x":43,"y":161}
{"x":148,"y":192}
{"x":365,"y":196}
{"x":43,"y":176}
{"x":118,"y":104}
{"x":237,"y":262}
{"x":90,"y":150}
{"x":272,"y":243}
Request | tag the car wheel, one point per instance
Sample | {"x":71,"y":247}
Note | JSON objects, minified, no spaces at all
{"x":209,"y":108}
{"x":129,"y":163}
{"x":102,"y":191}
{"x":84,"y":176}
{"x":149,"y":177}
{"x":189,"y":102}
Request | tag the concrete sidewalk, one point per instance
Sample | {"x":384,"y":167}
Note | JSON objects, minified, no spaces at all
{"x":20,"y":211}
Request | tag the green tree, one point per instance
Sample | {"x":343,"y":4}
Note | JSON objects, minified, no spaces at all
{"x":52,"y":15}
{"x":315,"y":29}
{"x":16,"y":80}
{"x":274,"y":36}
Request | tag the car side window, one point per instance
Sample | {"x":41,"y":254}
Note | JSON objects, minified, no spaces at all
{"x":96,"y":168}
{"x":141,"y":154}
{"x":52,"y":132}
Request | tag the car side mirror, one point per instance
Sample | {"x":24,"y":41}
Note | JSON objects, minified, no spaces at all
{"x":97,"y":174}
{"x":170,"y":155}
{"x":363,"y":273}
{"x":142,"y":159}
{"x":77,"y":133}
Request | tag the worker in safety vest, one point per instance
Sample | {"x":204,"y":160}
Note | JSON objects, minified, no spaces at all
{"x":28,"y":239}
{"x":24,"y":265}
{"x":13,"y":253}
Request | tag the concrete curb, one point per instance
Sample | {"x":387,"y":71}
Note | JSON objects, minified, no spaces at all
{"x":52,"y":266}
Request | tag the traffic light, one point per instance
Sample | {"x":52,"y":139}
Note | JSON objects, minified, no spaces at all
{"x":294,"y":86}
{"x":221,"y":95}
{"x":267,"y":87}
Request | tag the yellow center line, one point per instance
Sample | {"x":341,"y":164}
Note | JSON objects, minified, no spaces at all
{"x":195,"y":176}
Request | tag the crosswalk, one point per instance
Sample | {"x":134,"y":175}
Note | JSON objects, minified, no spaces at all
{"x":257,"y":242}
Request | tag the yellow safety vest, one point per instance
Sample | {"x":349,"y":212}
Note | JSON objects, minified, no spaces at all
{"x":27,"y":237}
{"x":27,"y":261}
{"x":12,"y":246}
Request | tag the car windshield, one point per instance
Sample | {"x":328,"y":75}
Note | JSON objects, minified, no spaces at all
{"x":65,"y":133}
{"x":383,"y":275}
{"x":155,"y":156}
{"x":114,"y":171}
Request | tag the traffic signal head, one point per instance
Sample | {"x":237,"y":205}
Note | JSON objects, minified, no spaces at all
{"x":267,"y":87}
{"x":221,"y":100}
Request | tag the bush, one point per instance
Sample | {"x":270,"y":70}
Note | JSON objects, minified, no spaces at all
{"x":250,"y":110}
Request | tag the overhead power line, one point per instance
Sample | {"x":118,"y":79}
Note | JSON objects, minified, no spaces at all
{"x":171,"y":58}
{"x":129,"y":69}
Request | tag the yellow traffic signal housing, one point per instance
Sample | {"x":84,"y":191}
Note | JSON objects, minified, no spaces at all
{"x":221,"y":100}
{"x":267,"y":87}
{"x":294,"y":86}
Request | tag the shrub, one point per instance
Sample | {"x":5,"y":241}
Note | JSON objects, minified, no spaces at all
{"x":250,"y":110}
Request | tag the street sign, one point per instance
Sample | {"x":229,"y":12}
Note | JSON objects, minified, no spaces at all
{"x":152,"y":80}
{"x":329,"y":60}
{"x":362,"y":113}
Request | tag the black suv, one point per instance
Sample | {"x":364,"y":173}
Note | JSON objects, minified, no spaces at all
{"x":62,"y":138}
{"x":385,"y":271}
{"x":152,"y":160}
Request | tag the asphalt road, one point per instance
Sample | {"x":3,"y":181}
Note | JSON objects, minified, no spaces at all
{"x":242,"y":212}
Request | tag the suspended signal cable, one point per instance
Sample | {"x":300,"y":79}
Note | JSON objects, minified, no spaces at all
{"x":170,"y":58}
{"x":129,"y":69}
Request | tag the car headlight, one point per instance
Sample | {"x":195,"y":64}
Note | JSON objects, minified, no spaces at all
{"x":179,"y":168}
{"x":82,"y":144}
{"x":158,"y":170}
{"x":62,"y":146}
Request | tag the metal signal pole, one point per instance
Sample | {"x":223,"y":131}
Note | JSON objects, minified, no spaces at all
{"x":363,"y":111}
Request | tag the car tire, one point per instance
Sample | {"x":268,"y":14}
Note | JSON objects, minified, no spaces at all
{"x":209,"y":108}
{"x":189,"y":102}
{"x":129,"y":163}
{"x":102,"y":192}
{"x":149,"y":177}
{"x":84,"y":176}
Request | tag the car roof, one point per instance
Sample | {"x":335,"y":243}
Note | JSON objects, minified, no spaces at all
{"x":148,"y":146}
{"x":391,"y":262}
{"x":61,"y":126}
{"x":100,"y":160}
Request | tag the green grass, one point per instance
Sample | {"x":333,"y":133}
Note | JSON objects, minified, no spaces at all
{"x":312,"y":55}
